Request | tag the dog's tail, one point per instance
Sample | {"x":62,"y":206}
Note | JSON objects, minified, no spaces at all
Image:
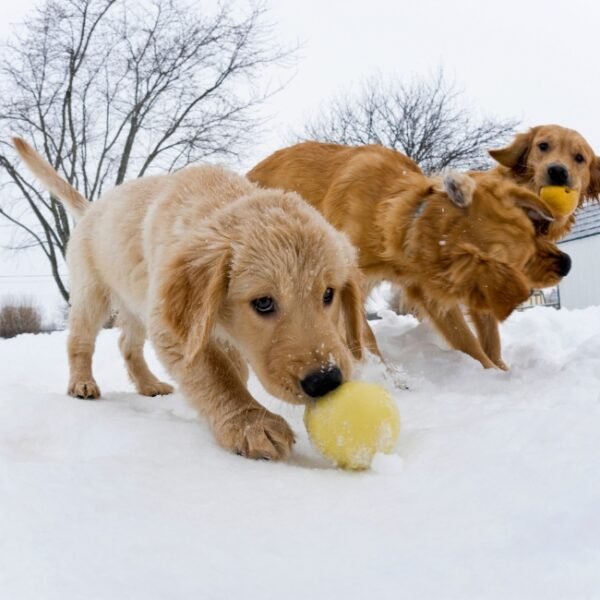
{"x":52,"y":181}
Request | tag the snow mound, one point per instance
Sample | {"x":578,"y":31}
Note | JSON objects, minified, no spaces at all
{"x":492,"y":491}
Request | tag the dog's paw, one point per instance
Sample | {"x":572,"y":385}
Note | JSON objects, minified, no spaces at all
{"x":459,"y":187}
{"x":501,"y":364}
{"x":257,"y":433}
{"x":155,"y":388}
{"x":86,"y":390}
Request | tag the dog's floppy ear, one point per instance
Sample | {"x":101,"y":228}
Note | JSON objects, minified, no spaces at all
{"x":490,"y":285}
{"x":533,"y":205}
{"x":593,"y":190}
{"x":514,"y":156}
{"x":545,"y":266}
{"x":192,"y":295}
{"x":503,"y":288}
{"x":353,"y":308}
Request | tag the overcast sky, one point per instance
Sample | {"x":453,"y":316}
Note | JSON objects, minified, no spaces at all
{"x":533,"y":60}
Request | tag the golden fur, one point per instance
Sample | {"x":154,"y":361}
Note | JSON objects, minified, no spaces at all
{"x":184,"y":257}
{"x":470,"y":241}
{"x":527,"y":158}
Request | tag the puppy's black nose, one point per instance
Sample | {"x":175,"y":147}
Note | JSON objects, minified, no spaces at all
{"x":318,"y":383}
{"x":558,"y":174}
{"x":564,"y":264}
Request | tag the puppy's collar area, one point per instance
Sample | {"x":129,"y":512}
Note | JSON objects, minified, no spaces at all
{"x":420,"y":209}
{"x":416,"y":215}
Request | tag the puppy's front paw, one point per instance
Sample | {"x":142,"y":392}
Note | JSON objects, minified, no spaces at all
{"x":86,"y":390}
{"x":257,"y":433}
{"x":155,"y":388}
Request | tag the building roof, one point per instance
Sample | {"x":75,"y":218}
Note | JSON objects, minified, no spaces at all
{"x":587,"y":223}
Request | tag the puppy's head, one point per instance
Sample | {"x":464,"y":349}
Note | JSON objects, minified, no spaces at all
{"x":277,"y":282}
{"x":552,"y":155}
{"x":495,"y":254}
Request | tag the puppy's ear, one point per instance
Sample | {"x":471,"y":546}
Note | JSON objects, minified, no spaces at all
{"x":353,"y":307}
{"x":490,"y":284}
{"x":192,"y":295}
{"x":593,"y":190}
{"x":515,"y":155}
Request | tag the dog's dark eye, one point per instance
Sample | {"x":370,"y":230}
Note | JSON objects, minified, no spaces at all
{"x":328,"y":296}
{"x":544,"y":146}
{"x":579,"y":158}
{"x":264,"y":305}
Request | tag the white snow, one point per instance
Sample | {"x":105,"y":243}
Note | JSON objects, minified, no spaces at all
{"x":493,"y":492}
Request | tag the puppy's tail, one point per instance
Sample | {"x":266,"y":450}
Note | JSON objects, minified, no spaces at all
{"x":75,"y":203}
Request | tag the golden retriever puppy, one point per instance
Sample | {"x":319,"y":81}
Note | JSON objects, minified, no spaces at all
{"x":219,"y":273}
{"x":551,"y":155}
{"x":462,"y":242}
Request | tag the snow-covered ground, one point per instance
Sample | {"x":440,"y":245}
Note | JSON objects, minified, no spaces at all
{"x":494,"y":491}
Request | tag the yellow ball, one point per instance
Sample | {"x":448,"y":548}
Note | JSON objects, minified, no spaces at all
{"x":562,"y":200}
{"x":352,"y":423}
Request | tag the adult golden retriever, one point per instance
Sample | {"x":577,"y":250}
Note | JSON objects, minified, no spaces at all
{"x":218,"y":272}
{"x":470,"y":241}
{"x":551,"y":155}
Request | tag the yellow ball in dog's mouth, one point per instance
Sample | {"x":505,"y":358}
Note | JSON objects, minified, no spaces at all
{"x":562,"y":200}
{"x":354,"y":422}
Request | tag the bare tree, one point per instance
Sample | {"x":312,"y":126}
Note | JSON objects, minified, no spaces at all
{"x":424,"y":119}
{"x":112,"y":89}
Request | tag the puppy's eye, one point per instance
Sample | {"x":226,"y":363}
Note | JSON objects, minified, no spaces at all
{"x":544,"y":146}
{"x":579,"y":158}
{"x":328,"y":296}
{"x":264,"y":305}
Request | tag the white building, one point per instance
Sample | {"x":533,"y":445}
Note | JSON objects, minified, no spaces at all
{"x":581,"y":287}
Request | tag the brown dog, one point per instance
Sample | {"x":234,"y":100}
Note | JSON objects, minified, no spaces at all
{"x":412,"y":230}
{"x":551,"y":155}
{"x":218,"y":272}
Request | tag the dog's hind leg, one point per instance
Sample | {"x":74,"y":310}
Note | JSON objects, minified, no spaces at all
{"x":90,"y":308}
{"x":131,"y":344}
